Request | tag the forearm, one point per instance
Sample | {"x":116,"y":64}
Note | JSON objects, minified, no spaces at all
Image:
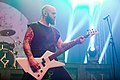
{"x":66,"y":46}
{"x":33,"y":63}
{"x":73,"y":42}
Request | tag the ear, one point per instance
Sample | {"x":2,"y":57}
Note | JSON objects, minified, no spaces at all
{"x":45,"y":13}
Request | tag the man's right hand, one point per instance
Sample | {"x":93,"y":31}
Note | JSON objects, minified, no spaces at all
{"x":33,"y":63}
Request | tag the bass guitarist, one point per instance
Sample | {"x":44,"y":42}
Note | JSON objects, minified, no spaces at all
{"x":39,"y":38}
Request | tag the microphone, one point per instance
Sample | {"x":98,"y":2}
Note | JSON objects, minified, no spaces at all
{"x":106,"y":17}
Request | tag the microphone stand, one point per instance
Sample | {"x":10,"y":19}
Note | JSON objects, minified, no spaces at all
{"x":113,"y":52}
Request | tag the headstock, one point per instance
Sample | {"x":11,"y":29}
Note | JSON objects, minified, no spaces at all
{"x":91,"y":32}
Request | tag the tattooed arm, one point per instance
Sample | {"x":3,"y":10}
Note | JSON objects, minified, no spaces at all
{"x":26,"y":46}
{"x":26,"y":43}
{"x":61,"y":44}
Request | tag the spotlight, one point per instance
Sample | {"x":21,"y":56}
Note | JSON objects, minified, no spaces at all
{"x":92,"y":56}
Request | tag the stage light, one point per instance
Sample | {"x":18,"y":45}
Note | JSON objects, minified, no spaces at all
{"x":92,"y":56}
{"x":90,"y":3}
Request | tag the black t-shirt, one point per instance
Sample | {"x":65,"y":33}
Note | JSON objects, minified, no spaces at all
{"x":45,"y":38}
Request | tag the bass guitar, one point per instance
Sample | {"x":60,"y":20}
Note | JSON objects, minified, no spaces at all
{"x":47,"y":60}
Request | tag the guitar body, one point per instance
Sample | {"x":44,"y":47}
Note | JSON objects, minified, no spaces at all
{"x":44,"y":64}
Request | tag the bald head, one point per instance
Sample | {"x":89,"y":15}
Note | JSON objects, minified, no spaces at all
{"x":47,"y":8}
{"x":49,"y":14}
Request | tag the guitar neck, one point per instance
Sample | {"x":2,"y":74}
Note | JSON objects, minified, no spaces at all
{"x":86,"y":35}
{"x":60,"y":51}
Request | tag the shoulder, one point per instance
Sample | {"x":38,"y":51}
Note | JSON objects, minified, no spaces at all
{"x":55,"y":30}
{"x":32,"y":24}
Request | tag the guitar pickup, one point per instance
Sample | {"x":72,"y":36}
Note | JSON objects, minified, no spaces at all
{"x":43,"y":62}
{"x":39,"y":67}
